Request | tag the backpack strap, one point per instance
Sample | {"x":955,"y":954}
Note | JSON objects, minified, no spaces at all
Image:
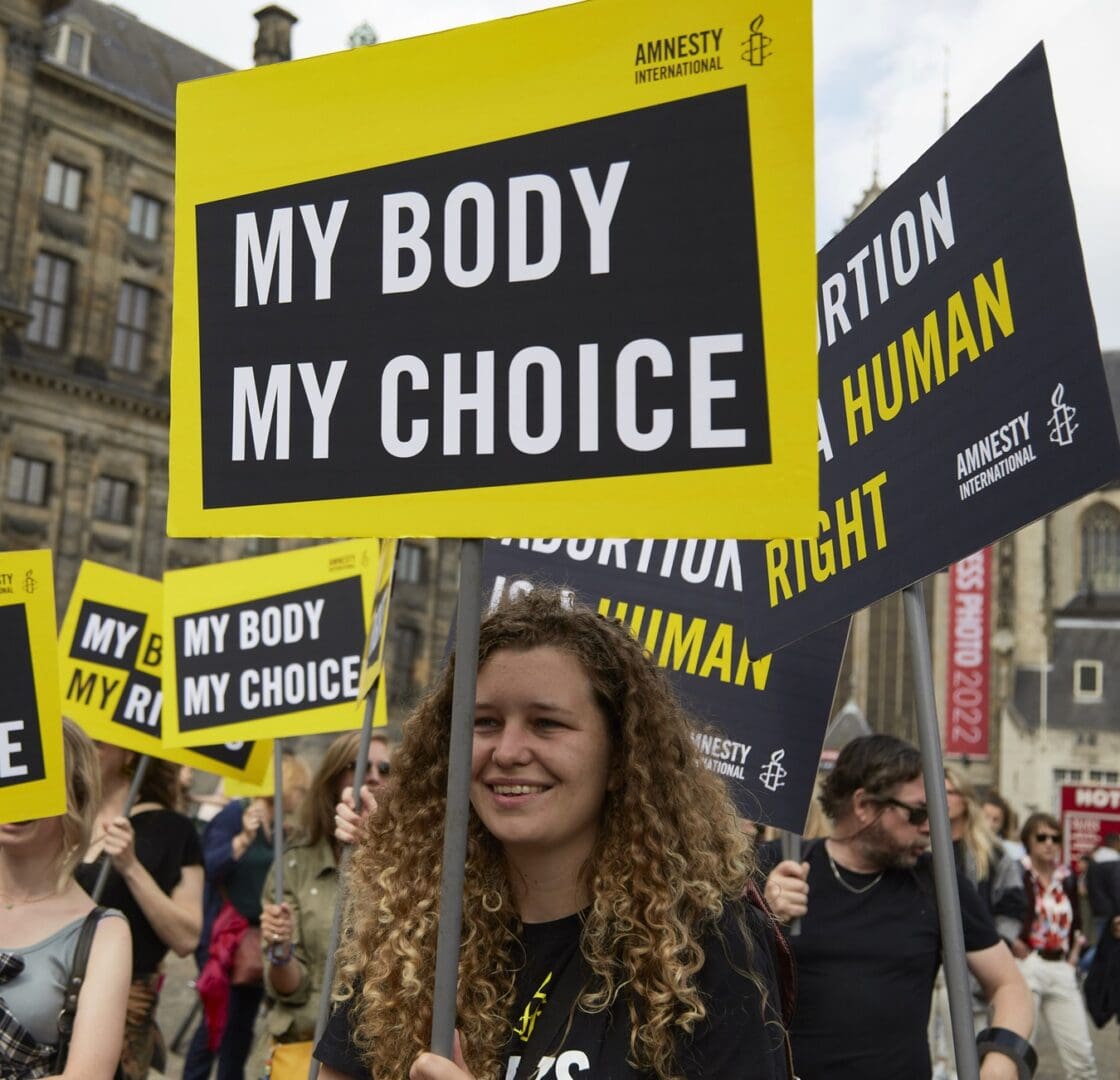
{"x":74,"y":985}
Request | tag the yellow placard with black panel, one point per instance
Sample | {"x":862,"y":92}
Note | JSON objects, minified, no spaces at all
{"x":267,"y":647}
{"x":549,"y":272}
{"x":111,"y":654}
{"x":32,"y":777}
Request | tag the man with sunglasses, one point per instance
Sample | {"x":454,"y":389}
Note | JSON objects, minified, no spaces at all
{"x":1051,"y":943}
{"x":869,"y":941}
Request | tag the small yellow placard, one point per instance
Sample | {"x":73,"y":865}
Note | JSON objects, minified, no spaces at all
{"x":111,"y":673}
{"x":552,"y":274}
{"x":32,"y":778}
{"x":267,"y":647}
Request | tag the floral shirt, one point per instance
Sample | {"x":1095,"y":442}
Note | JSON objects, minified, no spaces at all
{"x":1052,"y":924}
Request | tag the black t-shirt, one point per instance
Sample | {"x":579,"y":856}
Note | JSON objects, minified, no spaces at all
{"x":166,"y":841}
{"x":735,"y":1041}
{"x":865,"y":970}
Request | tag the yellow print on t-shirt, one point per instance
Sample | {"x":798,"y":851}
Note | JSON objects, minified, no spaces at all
{"x":533,"y":1010}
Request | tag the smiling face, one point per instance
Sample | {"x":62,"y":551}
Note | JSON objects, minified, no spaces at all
{"x":541,"y":764}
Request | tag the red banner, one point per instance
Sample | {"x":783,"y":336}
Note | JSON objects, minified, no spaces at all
{"x":1089,"y":814}
{"x":969,"y":672}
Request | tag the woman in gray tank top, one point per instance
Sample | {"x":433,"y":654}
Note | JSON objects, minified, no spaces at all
{"x":42,"y":909}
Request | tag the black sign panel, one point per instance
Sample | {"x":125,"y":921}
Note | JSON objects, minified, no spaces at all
{"x":108,"y":635}
{"x":598,"y":310}
{"x":683,"y":599}
{"x":962,"y":394}
{"x":270,"y":656}
{"x":21,"y":748}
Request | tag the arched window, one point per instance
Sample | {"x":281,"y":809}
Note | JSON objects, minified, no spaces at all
{"x":1100,"y":549}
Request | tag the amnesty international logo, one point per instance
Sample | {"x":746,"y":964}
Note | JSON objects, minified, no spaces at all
{"x":757,"y":48}
{"x":1061,"y":423}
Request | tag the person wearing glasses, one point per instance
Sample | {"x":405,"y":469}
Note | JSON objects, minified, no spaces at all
{"x":1051,"y":944}
{"x":295,"y":935}
{"x":869,"y":943}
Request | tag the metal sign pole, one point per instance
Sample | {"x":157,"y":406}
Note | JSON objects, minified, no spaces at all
{"x":129,"y":802}
{"x":944,"y":868}
{"x":278,"y":822}
{"x":360,"y":767}
{"x":458,"y":799}
{"x":791,"y":849}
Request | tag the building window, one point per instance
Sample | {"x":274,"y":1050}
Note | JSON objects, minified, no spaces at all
{"x":405,"y":652}
{"x":410,"y":563}
{"x":1088,"y":680}
{"x":130,"y":339}
{"x":28,"y":480}
{"x":145,"y":216}
{"x":50,"y":297}
{"x":1100,"y":549}
{"x":1104,"y":776}
{"x":112,"y":500}
{"x":71,"y":47}
{"x":1068,"y":776}
{"x":75,"y":49}
{"x":64,"y":186}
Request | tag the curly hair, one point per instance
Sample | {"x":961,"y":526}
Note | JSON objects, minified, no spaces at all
{"x":668,"y":857}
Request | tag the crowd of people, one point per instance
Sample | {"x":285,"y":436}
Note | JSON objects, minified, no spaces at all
{"x":618,"y":918}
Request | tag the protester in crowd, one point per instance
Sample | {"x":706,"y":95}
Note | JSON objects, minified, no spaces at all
{"x":296,"y":934}
{"x":998,"y":878}
{"x":870,"y":933}
{"x":1001,"y":820}
{"x":42,"y":915}
{"x":1102,"y":983}
{"x":1052,"y":942}
{"x":982,"y":858}
{"x":603,"y":926}
{"x":155,"y":879}
{"x":1104,"y":869}
{"x":237,"y":850}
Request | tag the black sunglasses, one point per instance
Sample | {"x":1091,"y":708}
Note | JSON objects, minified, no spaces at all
{"x":383,"y":768}
{"x":1043,"y":837}
{"x":915,"y":815}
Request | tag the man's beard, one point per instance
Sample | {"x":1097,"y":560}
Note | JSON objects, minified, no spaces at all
{"x":885,"y":852}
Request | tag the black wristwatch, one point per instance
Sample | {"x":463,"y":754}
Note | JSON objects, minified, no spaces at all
{"x":1004,"y":1041}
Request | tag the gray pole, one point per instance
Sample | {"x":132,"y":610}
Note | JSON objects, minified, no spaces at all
{"x":278,"y":822}
{"x":129,"y":802}
{"x":791,"y":849}
{"x":944,"y":868}
{"x":360,"y":767}
{"x":458,"y":802}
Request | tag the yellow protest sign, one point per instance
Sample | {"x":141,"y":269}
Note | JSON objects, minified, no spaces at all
{"x":267,"y":647}
{"x":374,"y":655}
{"x":549,"y":271}
{"x":32,"y":780}
{"x":111,"y":672}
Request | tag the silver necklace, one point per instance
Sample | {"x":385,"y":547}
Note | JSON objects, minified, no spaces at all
{"x":846,"y":885}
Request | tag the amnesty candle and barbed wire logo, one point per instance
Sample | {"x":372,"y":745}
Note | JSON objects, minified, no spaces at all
{"x":757,"y":48}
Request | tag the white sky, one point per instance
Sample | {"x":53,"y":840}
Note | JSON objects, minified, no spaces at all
{"x":880,"y":79}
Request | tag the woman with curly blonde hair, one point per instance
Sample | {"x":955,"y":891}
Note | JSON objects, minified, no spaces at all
{"x":604,"y":931}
